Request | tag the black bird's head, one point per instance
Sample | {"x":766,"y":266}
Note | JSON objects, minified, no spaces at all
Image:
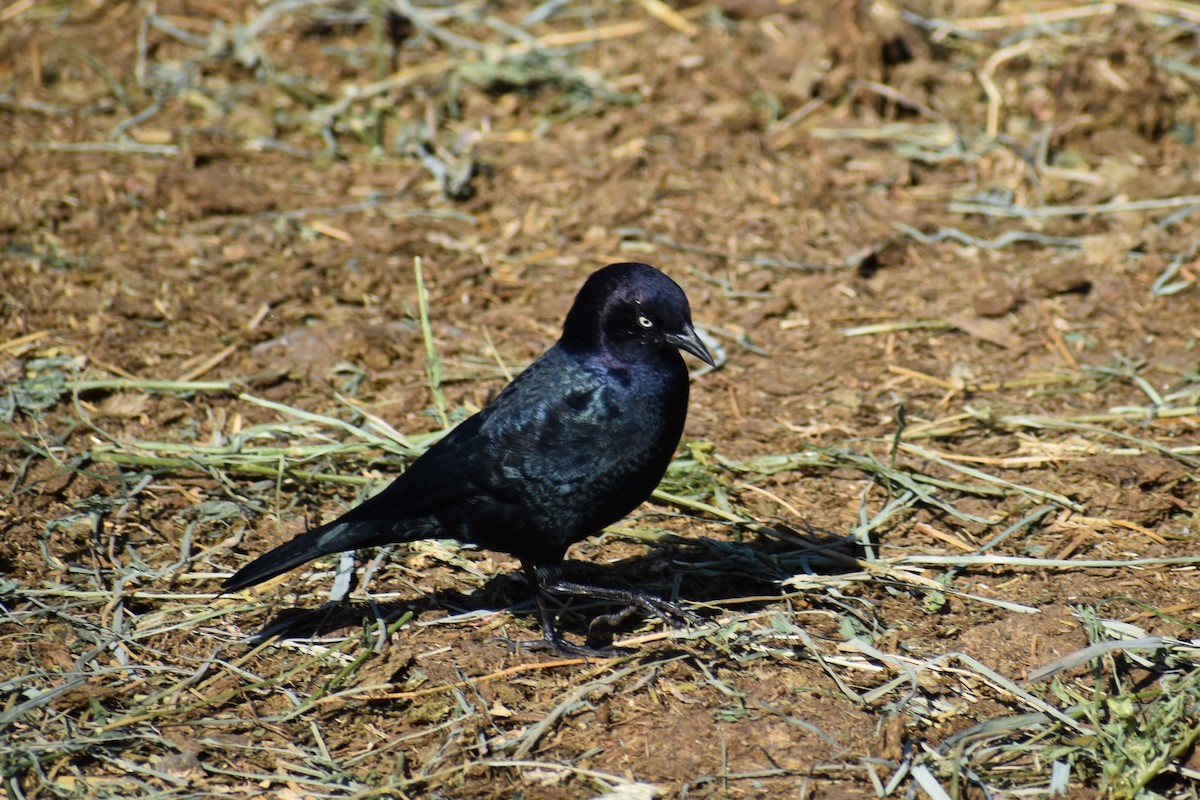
{"x":630,"y":308}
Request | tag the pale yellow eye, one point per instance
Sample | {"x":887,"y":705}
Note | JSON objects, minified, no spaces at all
{"x":645,"y":322}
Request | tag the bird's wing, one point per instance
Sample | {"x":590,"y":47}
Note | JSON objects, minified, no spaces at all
{"x":541,"y":423}
{"x":552,"y":427}
{"x":438,"y":477}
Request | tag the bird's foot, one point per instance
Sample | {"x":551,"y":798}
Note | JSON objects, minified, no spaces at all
{"x":599,"y":639}
{"x":669,"y":612}
{"x":555,"y":643}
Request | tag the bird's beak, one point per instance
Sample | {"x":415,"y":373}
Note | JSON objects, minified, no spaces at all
{"x":689,"y":340}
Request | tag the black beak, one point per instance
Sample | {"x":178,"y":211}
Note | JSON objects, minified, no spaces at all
{"x":689,"y":341}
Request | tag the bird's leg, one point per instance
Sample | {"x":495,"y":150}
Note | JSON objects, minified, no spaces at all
{"x":551,"y":638}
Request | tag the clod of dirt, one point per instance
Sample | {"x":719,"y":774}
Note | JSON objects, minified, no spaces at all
{"x":1016,"y":644}
{"x":1142,"y":490}
{"x":1143,"y":471}
{"x":996,"y":299}
{"x":887,"y":255}
{"x":1062,"y":278}
{"x":219,"y":187}
{"x":751,"y":9}
{"x":313,"y":351}
{"x":996,"y":331}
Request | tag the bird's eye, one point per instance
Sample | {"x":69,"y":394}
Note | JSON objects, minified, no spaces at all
{"x":645,"y":322}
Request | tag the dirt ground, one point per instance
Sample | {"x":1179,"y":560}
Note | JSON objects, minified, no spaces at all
{"x":947,"y":250}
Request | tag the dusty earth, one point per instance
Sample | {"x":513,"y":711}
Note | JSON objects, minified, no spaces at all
{"x":927,"y":237}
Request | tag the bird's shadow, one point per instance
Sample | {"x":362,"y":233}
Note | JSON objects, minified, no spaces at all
{"x":745,"y":572}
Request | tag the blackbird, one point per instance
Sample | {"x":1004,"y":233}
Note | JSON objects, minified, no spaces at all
{"x":578,"y":440}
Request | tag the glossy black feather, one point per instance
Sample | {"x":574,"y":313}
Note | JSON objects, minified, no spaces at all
{"x":574,"y":443}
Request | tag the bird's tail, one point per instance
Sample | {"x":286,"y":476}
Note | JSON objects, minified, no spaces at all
{"x":333,"y":537}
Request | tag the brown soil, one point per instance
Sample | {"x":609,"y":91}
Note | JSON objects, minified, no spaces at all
{"x":763,"y":154}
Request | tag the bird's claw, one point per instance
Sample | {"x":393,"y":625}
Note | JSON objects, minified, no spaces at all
{"x":671,"y":613}
{"x":611,"y":620}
